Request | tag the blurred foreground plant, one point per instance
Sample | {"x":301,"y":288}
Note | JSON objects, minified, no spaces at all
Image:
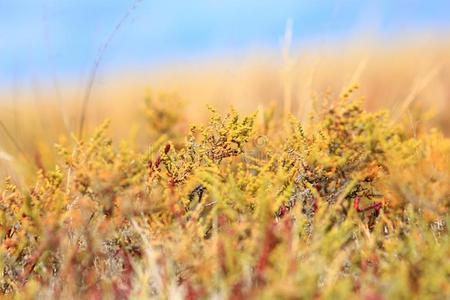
{"x":348,"y":207}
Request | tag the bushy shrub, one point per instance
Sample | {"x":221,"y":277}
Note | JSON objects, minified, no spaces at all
{"x":347,"y":207}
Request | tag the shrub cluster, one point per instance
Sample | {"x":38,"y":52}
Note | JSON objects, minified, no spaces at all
{"x":347,"y":206}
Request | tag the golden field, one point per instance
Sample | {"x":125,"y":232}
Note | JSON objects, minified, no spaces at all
{"x":328,"y":178}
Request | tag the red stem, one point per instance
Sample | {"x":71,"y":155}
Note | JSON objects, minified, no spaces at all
{"x":376,"y":206}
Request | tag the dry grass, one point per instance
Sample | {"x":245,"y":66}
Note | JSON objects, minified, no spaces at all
{"x":334,"y":201}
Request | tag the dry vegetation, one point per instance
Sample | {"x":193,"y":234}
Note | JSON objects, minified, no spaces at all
{"x":334,"y":200}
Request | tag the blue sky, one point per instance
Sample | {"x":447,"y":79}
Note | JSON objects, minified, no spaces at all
{"x":43,"y":37}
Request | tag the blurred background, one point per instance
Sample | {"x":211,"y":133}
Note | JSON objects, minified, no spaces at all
{"x":56,"y":55}
{"x":43,"y":38}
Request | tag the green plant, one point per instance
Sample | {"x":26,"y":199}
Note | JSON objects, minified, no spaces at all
{"x":347,"y":207}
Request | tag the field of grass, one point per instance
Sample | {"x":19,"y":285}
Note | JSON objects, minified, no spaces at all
{"x":328,"y":178}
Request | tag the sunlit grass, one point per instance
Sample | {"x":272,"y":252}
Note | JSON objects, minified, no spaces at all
{"x":311,"y":197}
